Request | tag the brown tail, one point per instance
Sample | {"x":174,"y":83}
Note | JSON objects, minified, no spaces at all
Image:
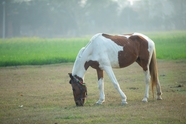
{"x":153,"y":71}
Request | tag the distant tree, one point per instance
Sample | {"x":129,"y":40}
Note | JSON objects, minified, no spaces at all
{"x":178,"y":17}
{"x":101,"y":15}
{"x":71,"y":18}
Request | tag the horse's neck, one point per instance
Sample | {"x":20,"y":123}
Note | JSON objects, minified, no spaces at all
{"x":78,"y":68}
{"x":82,"y":57}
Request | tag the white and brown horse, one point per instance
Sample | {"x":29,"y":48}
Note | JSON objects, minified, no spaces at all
{"x":105,"y":52}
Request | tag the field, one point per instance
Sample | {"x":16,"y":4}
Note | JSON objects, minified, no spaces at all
{"x":34,"y":84}
{"x":39,"y":51}
{"x":42,"y":94}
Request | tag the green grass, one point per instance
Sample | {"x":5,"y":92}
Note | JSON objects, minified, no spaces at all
{"x":39,"y":51}
{"x":170,"y":45}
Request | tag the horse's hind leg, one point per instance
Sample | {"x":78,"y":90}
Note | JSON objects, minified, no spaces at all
{"x":147,"y":81}
{"x":144,"y":64}
{"x":159,"y":92}
{"x":100,"y":86}
{"x":111,"y":75}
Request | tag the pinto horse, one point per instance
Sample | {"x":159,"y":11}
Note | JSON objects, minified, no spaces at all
{"x":105,"y":52}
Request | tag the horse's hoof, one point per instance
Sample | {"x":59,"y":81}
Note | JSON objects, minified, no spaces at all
{"x":159,"y":98}
{"x":124,"y":103}
{"x":98,"y":104}
{"x":145,"y":100}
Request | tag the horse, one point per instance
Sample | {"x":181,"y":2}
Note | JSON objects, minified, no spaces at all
{"x":104,"y":52}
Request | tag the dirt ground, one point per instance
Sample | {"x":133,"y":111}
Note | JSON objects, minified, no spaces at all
{"x":42,"y":94}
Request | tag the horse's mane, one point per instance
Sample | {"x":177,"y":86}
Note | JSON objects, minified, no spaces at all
{"x":80,"y":53}
{"x":84,"y":48}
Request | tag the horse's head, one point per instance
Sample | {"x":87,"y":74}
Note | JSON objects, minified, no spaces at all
{"x":79,"y":89}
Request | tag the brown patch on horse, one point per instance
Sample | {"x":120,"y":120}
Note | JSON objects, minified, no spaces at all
{"x":95,"y":65}
{"x":143,"y":57}
{"x":135,"y":48}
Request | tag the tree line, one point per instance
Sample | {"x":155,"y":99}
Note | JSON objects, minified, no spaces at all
{"x":74,"y":18}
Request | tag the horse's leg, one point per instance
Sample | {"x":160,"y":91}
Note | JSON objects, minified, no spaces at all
{"x":111,"y":75}
{"x":147,"y":81}
{"x":145,"y":65}
{"x":158,"y":89}
{"x":100,"y":86}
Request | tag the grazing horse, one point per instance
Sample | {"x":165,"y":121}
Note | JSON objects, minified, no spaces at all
{"x":105,"y":52}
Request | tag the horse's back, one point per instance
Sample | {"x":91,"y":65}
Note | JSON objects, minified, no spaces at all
{"x":151,"y":44}
{"x":120,"y":50}
{"x":105,"y":50}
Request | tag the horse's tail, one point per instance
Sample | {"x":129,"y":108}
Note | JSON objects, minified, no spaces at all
{"x":153,"y":71}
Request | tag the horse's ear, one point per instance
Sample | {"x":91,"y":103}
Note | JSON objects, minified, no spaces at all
{"x":70,"y":75}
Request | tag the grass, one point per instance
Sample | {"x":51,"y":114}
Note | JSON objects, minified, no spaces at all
{"x":42,"y":94}
{"x":46,"y":96}
{"x":170,"y":45}
{"x":39,"y":51}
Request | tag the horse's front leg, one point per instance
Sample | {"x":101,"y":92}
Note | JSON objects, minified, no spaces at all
{"x":100,"y":86}
{"x":112,"y":77}
{"x":101,"y":91}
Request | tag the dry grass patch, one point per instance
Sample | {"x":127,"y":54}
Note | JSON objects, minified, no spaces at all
{"x":42,"y":94}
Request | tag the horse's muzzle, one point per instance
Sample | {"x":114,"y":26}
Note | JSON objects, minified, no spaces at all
{"x":80,"y":102}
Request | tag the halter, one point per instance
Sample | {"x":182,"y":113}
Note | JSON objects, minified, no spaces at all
{"x":79,"y":81}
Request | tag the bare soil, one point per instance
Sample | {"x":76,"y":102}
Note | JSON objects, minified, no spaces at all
{"x":42,"y":94}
